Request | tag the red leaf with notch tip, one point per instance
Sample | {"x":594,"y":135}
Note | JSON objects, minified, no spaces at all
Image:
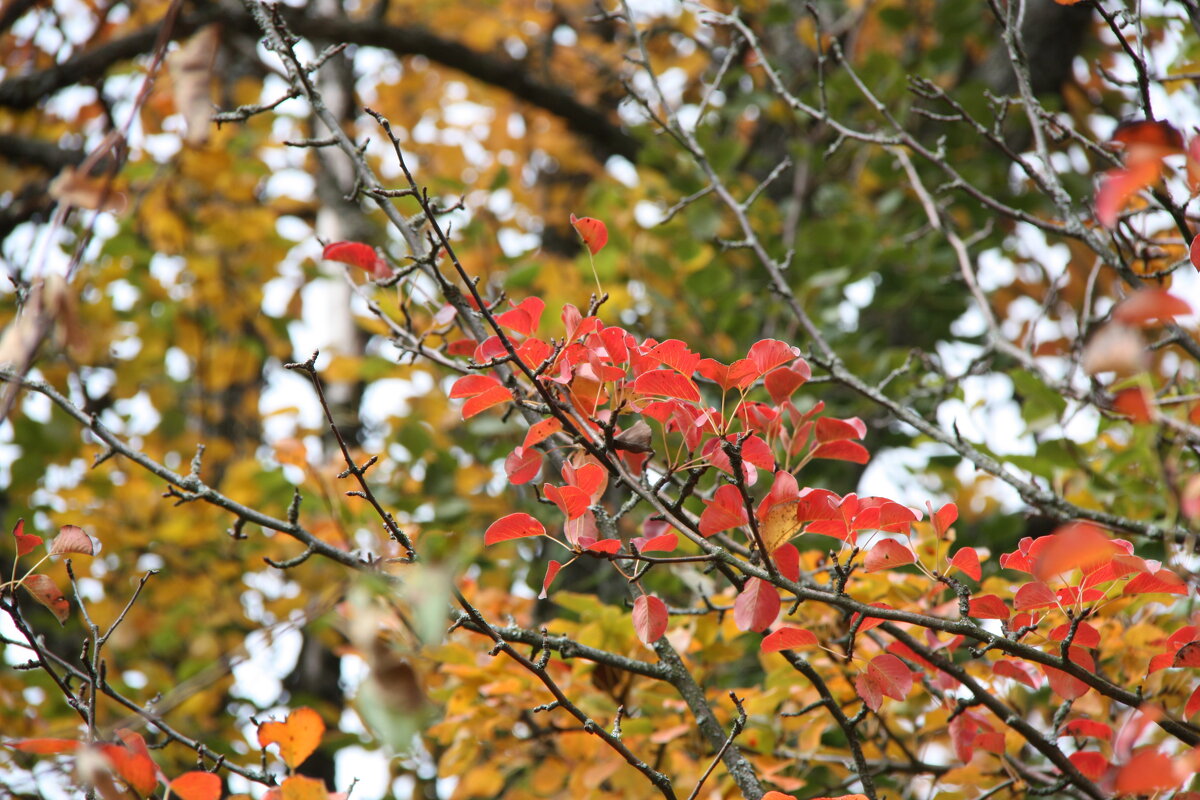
{"x":658,"y":544}
{"x":609,"y":546}
{"x":1034,"y":595}
{"x":1148,"y":772}
{"x":551,"y":571}
{"x":1092,"y":765}
{"x":988,"y":606}
{"x":593,"y":232}
{"x":726,"y":510}
{"x":886,"y":676}
{"x":357,"y":254}
{"x":524,"y":317}
{"x":197,"y":785}
{"x":518,"y":525}
{"x":522,"y":465}
{"x":888,"y":554}
{"x":1148,"y":305}
{"x":1065,"y":685}
{"x":1087,"y":728}
{"x":782,"y":383}
{"x":967,"y":560}
{"x":787,"y":638}
{"x":666,"y":383}
{"x":650,"y":618}
{"x":1162,"y":582}
{"x":571,"y":500}
{"x":1017,"y":670}
{"x":44,"y":747}
{"x":1120,"y":185}
{"x":590,"y":478}
{"x":787,"y":561}
{"x":540,"y":431}
{"x":71,"y":539}
{"x":46,"y":591}
{"x":757,"y":606}
{"x":768,"y":354}
{"x":943,"y":518}
{"x":26,"y":542}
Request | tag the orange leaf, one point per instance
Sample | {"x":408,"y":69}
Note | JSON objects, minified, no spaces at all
{"x":1149,"y":771}
{"x":787,"y":638}
{"x":298,"y":787}
{"x":551,"y":571}
{"x":44,"y":747}
{"x":197,"y":785}
{"x":1079,"y":545}
{"x":297,"y":736}
{"x":517,"y":525}
{"x":1135,"y":403}
{"x":136,"y":769}
{"x":593,"y":232}
{"x":522,"y":465}
{"x":967,"y":560}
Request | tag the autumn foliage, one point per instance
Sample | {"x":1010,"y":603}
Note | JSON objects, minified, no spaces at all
{"x":749,"y":401}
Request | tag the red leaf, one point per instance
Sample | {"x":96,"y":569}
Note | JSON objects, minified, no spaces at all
{"x":649,"y":618}
{"x":1092,"y":765}
{"x":666,"y":383}
{"x":1194,"y":252}
{"x":988,"y":606}
{"x":1147,"y":305}
{"x":593,"y":232}
{"x":1193,"y":703}
{"x":71,"y":539}
{"x":1079,"y":545}
{"x":1149,"y":771}
{"x":136,"y":770}
{"x":870,"y":622}
{"x":551,"y":571}
{"x":571,"y":500}
{"x":787,"y":561}
{"x":483,"y":392}
{"x":757,"y":606}
{"x":886,"y":676}
{"x":1158,"y":137}
{"x":525,"y":317}
{"x":658,"y":544}
{"x":44,"y":747}
{"x":1135,"y":403}
{"x":539,"y":431}
{"x":590,"y":478}
{"x":768,"y":354}
{"x":1120,"y":185}
{"x":517,"y":525}
{"x":843,"y":450}
{"x":888,"y":554}
{"x":726,"y":510}
{"x":1090,"y":728}
{"x":197,"y":785}
{"x":358,"y":255}
{"x":46,"y":591}
{"x":943,"y":518}
{"x":523,"y":465}
{"x":967,"y":560}
{"x":1067,"y":686}
{"x":1187,"y":656}
{"x":782,"y":383}
{"x":1034,"y":595}
{"x":1018,"y":671}
{"x":609,"y":546}
{"x":1162,"y":582}
{"x":1085,"y":635}
{"x":787,"y":638}
{"x":26,"y":542}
